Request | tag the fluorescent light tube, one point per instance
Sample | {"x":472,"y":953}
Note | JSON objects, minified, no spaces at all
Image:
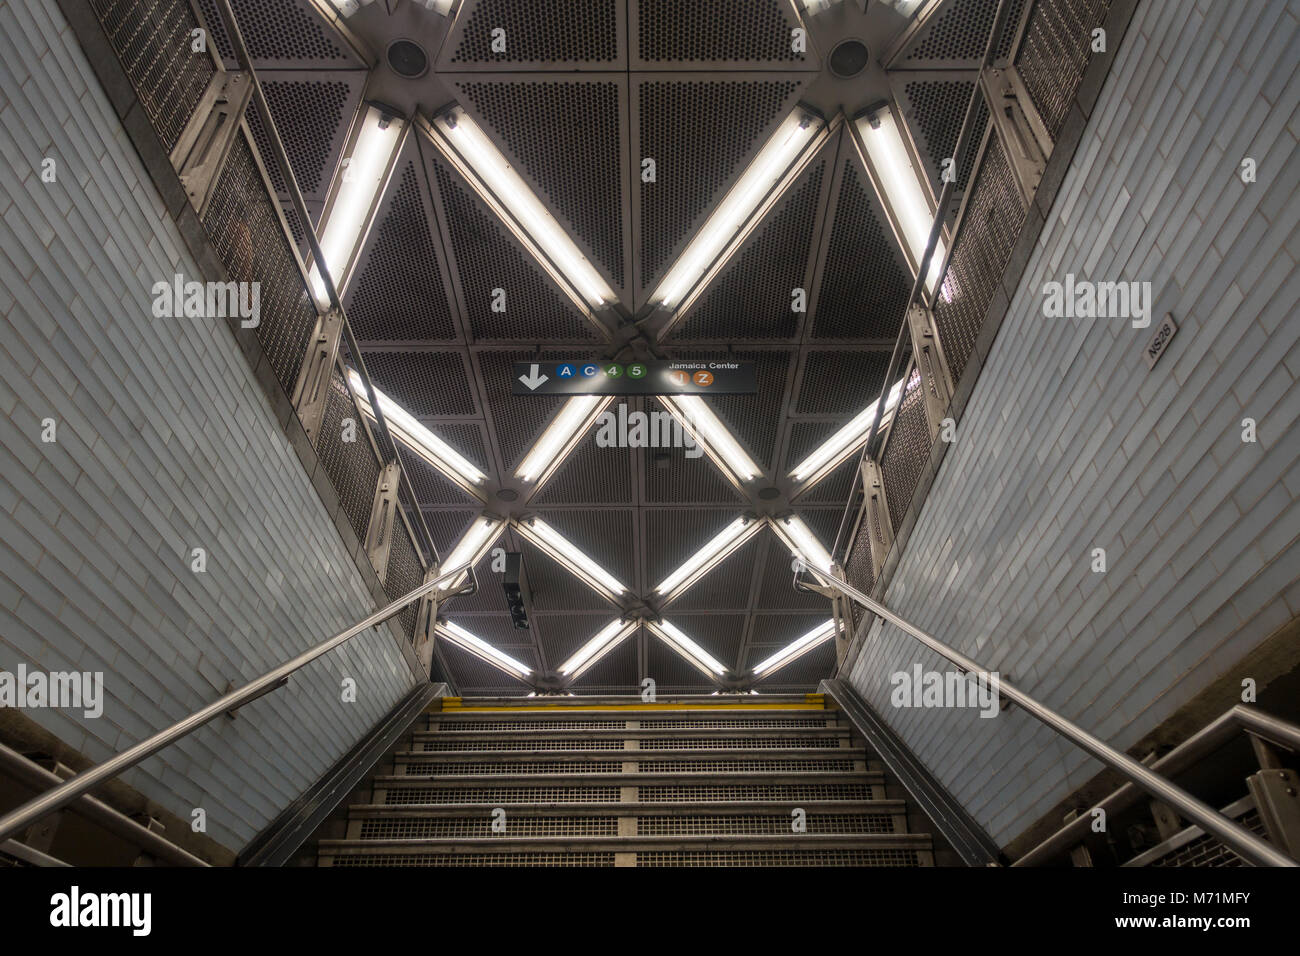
{"x":687,"y":648}
{"x":481,"y":649}
{"x":708,"y":557}
{"x":776,"y":156}
{"x":561,"y":435}
{"x":902,"y":188}
{"x":822,"y":632}
{"x":803,"y":543}
{"x":567,"y":553}
{"x":432,"y":448}
{"x":713,"y":436}
{"x":358,"y":189}
{"x":471,"y":547}
{"x":604,"y":641}
{"x":830,"y":453}
{"x":499,"y":178}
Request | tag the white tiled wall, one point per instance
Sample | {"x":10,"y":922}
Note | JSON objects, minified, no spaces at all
{"x":164,"y":443}
{"x":1069,"y":443}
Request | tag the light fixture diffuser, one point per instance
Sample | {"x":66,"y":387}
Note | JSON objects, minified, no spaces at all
{"x":712,"y":435}
{"x":902,"y":188}
{"x":499,"y":183}
{"x":561,"y":435}
{"x":471,"y":547}
{"x":832,"y":452}
{"x":482,"y":649}
{"x":728,"y":220}
{"x":415,"y":436}
{"x":604,"y":641}
{"x":801,"y":541}
{"x":568,"y":554}
{"x":708,"y":557}
{"x":363,"y":173}
{"x":697,"y":656}
{"x":818,"y":635}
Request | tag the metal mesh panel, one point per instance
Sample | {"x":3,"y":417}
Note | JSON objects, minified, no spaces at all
{"x":985,"y":236}
{"x":351,"y":466}
{"x":756,"y":791}
{"x":426,"y":383}
{"x":677,"y":30}
{"x":416,"y":767}
{"x":575,"y":163}
{"x":757,"y":823}
{"x":729,"y":743}
{"x":558,"y":31}
{"x":1055,"y":52}
{"x":906,"y":451}
{"x":405,"y":573}
{"x":431,"y":486}
{"x":865,"y":283}
{"x":751,"y":299}
{"x":398,"y":294}
{"x":406,"y":796}
{"x":751,"y":765}
{"x":307,"y":114}
{"x":243,"y":221}
{"x":406,"y":828}
{"x":152,"y":39}
{"x":1206,"y":851}
{"x":858,"y":569}
{"x":545,"y":743}
{"x":809,"y":857}
{"x":692,"y":169}
{"x":477,"y":859}
{"x":486,"y":260}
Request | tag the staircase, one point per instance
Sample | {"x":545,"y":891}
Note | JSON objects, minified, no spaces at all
{"x":700,"y":781}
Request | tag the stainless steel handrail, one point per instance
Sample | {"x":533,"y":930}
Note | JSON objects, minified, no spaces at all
{"x":281,"y":155}
{"x":1214,"y":735}
{"x":1249,"y":846}
{"x":923,"y":267}
{"x":74,"y":787}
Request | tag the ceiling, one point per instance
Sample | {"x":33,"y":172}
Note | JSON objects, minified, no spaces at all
{"x":585,"y":90}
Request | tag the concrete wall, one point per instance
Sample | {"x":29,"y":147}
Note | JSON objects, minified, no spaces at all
{"x":165,"y":443}
{"x":1069,"y":443}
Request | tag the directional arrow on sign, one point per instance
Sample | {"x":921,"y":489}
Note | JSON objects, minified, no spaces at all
{"x":533,"y":379}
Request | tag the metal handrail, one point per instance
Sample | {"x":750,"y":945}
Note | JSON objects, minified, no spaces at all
{"x":1249,"y":846}
{"x":74,"y":787}
{"x":281,"y":155}
{"x":1214,"y":735}
{"x":923,"y":268}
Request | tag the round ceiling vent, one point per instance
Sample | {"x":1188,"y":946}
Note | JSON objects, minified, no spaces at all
{"x":407,"y":58}
{"x":767,"y":494}
{"x":849,"y":58}
{"x":508,"y":494}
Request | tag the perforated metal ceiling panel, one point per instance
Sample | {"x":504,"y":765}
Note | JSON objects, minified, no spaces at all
{"x":934,"y":105}
{"x":558,"y":34}
{"x":699,"y":132}
{"x":755,"y":419}
{"x":591,"y":475}
{"x":312,"y":112}
{"x":738,"y":34}
{"x":615,"y":673}
{"x":398,"y":291}
{"x":426,"y":382}
{"x":955,"y":35}
{"x":566,"y":139}
{"x":840,"y":383}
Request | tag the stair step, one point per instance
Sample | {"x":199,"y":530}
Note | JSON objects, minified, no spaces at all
{"x":367,"y":811}
{"x":741,"y":756}
{"x":630,"y":778}
{"x":861,"y":849}
{"x":523,"y":721}
{"x":449,"y":734}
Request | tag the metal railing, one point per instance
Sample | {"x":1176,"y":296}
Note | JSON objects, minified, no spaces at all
{"x":74,"y":787}
{"x":1248,"y":845}
{"x":923,"y":267}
